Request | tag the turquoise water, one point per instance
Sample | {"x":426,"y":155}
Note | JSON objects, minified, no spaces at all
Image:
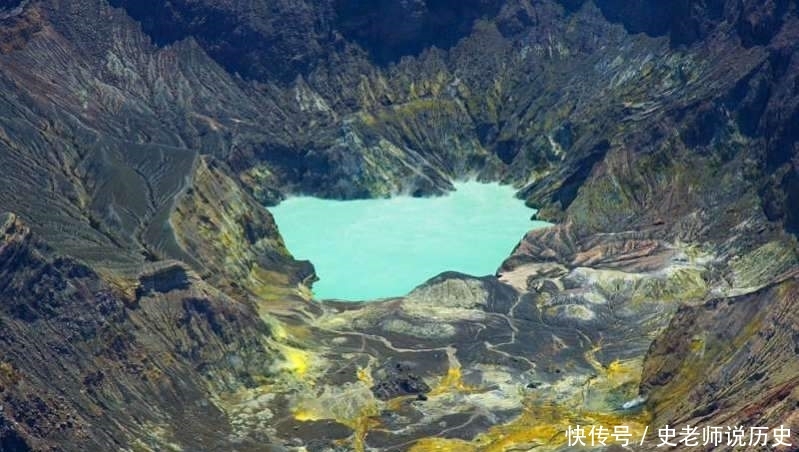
{"x":377,"y":248}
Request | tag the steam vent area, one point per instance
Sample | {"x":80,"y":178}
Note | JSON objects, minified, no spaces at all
{"x":399,"y":226}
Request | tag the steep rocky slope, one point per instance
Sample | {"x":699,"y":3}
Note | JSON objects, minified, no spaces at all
{"x":148,"y":302}
{"x":729,"y":362}
{"x":85,"y":367}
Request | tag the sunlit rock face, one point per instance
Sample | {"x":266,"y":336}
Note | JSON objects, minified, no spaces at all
{"x":723,"y":343}
{"x":148,"y":302}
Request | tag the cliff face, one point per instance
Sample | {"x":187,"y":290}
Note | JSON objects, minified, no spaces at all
{"x":148,"y":300}
{"x":729,"y":362}
{"x":85,"y":367}
{"x":520,"y":89}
